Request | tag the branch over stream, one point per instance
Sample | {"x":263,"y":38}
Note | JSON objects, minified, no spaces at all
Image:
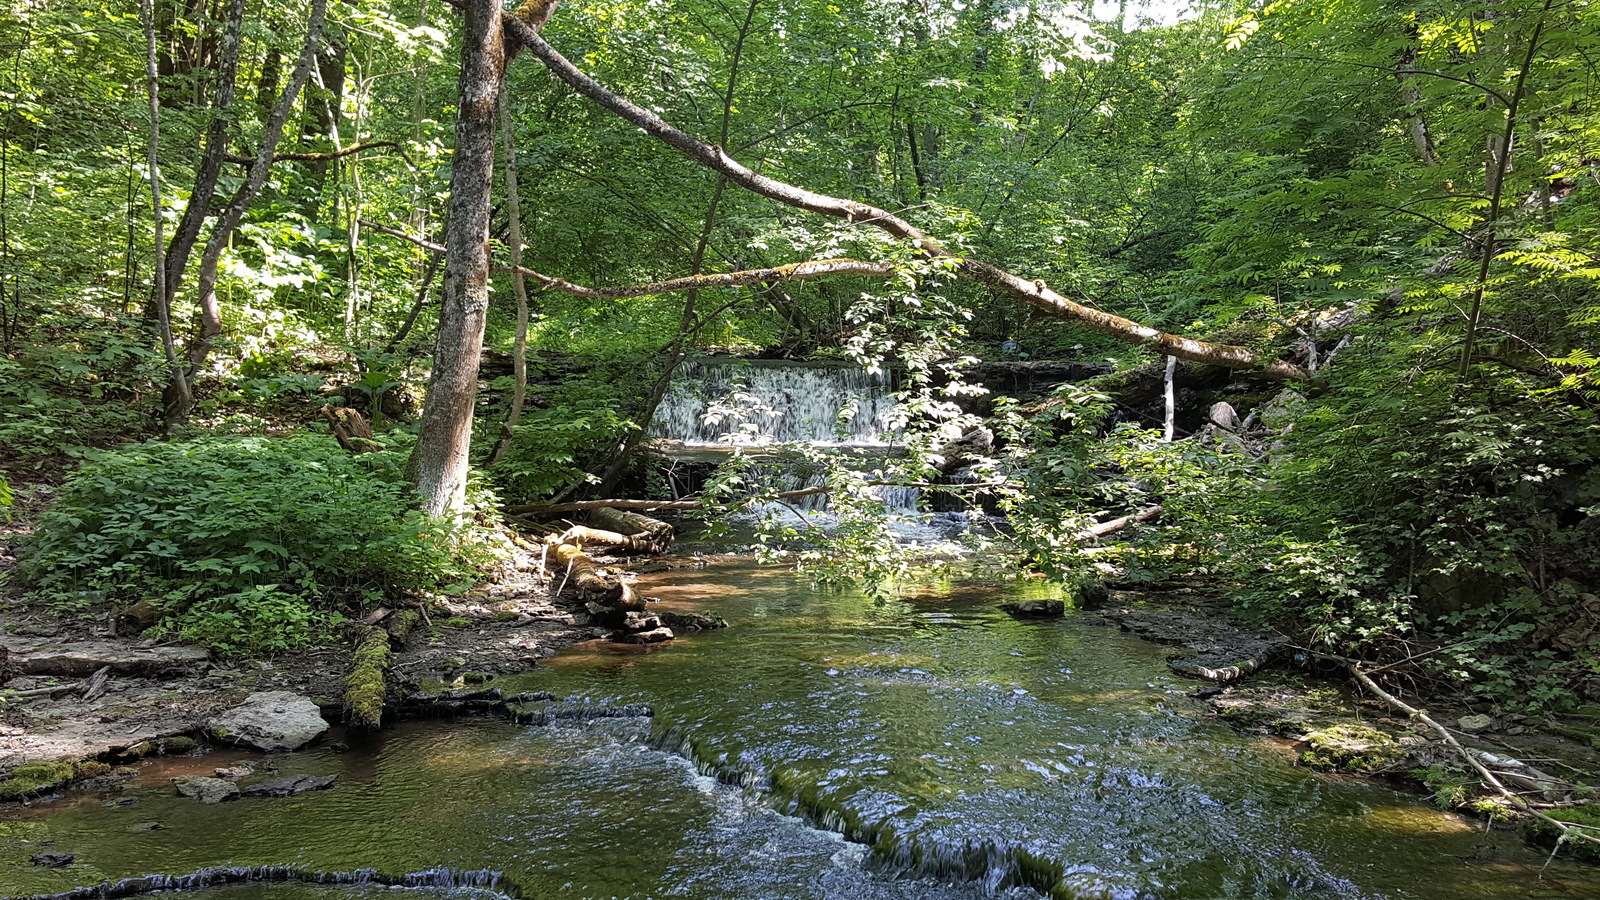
{"x":1034,"y":293}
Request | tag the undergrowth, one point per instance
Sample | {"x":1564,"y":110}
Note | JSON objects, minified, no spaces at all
{"x":252,"y":544}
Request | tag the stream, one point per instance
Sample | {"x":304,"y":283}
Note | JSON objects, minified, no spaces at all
{"x":824,"y":746}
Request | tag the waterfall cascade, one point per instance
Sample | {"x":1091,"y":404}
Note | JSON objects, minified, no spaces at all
{"x":754,"y":403}
{"x":718,"y":405}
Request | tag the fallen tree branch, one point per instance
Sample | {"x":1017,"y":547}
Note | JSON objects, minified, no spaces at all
{"x":1568,"y":830}
{"x":799,"y":271}
{"x":328,"y":156}
{"x":1105,"y":528}
{"x":1034,"y":293}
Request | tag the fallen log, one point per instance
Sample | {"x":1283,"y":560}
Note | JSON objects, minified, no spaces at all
{"x":366,"y":687}
{"x":576,"y":575}
{"x":641,"y":528}
{"x":1105,"y":528}
{"x":584,"y":536}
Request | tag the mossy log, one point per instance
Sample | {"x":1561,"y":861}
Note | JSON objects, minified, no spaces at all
{"x":641,"y":528}
{"x":366,"y":687}
{"x":576,"y":575}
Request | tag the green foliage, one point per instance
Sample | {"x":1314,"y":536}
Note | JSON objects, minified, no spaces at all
{"x":1450,"y":786}
{"x":1584,"y":820}
{"x":244,"y":542}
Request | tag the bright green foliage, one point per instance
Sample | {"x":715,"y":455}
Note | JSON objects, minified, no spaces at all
{"x":244,"y":542}
{"x":1584,"y":820}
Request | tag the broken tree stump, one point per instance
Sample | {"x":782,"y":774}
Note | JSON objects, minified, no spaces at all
{"x":349,"y":429}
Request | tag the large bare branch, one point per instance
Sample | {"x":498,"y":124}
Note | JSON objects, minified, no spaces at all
{"x":799,"y":271}
{"x":1034,"y":293}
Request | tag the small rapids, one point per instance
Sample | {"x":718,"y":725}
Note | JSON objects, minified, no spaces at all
{"x":826,"y":746}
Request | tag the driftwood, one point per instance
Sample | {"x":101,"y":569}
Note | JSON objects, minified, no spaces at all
{"x":97,"y":684}
{"x":349,"y":428}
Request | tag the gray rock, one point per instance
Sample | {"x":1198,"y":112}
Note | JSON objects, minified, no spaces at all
{"x":637,"y":621}
{"x":1035,"y":609}
{"x":206,"y":790}
{"x":51,"y":860}
{"x":274,"y":721}
{"x":80,"y":659}
{"x":289,"y":785}
{"x":1475,"y":724}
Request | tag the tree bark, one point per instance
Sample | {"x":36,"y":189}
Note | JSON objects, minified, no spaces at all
{"x":439,"y":463}
{"x":1034,"y":293}
{"x":176,"y":406}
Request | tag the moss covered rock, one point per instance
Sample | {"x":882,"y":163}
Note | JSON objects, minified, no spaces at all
{"x":35,"y":778}
{"x":1587,"y":816}
{"x":1351,"y":747}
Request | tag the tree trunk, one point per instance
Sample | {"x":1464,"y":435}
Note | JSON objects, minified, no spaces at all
{"x":439,"y":463}
{"x":176,"y":406}
{"x":205,"y":178}
{"x":159,"y":297}
{"x":519,"y":283}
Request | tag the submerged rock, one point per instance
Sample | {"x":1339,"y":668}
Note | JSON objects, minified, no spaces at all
{"x":1035,"y":609}
{"x":1352,"y":747}
{"x":51,"y":860}
{"x":274,"y":721}
{"x":206,"y":790}
{"x":289,"y":785}
{"x":691,"y":621}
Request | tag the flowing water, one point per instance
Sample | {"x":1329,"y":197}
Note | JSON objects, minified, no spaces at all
{"x":758,"y":402}
{"x":978,"y":756}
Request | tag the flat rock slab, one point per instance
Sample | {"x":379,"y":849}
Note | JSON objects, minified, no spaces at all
{"x":289,"y":785}
{"x":653,"y":636}
{"x":274,"y":721}
{"x":206,"y":790}
{"x":80,"y":659}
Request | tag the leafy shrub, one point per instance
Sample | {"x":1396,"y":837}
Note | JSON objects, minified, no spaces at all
{"x":243,"y":541}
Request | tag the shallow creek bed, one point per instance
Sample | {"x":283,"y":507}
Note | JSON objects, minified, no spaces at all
{"x":826,"y":745}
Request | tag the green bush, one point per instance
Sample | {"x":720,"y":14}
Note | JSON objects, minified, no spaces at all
{"x":245,"y":542}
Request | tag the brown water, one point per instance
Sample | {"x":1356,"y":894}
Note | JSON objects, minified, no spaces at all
{"x":964,"y":754}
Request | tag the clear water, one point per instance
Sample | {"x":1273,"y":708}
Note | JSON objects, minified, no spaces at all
{"x":982,"y":756}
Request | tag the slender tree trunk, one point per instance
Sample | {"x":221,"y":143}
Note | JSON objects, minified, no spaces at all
{"x":216,"y":152}
{"x":159,"y":298}
{"x":199,"y":349}
{"x":439,"y":463}
{"x":1421,"y":138}
{"x":519,"y":283}
{"x":1170,"y":392}
{"x":1500,"y":165}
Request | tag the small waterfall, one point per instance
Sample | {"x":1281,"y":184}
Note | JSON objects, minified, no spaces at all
{"x":716,"y":405}
{"x":760,"y":402}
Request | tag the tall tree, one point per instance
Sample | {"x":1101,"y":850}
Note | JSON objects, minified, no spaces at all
{"x":439,"y":463}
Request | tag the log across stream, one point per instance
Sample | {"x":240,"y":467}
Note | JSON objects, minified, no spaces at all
{"x":824,"y":746}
